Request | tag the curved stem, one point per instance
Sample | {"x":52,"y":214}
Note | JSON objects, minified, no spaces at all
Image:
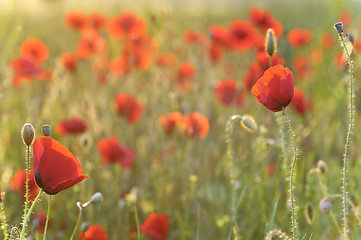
{"x":3,"y":220}
{"x":27,"y":180}
{"x":347,"y":145}
{"x":47,"y":218}
{"x":295,"y":234}
{"x":28,"y":214}
{"x":78,"y":221}
{"x":11,"y":232}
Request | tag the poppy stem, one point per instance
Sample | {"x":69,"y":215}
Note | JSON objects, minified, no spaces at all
{"x":3,"y":220}
{"x":27,"y":180}
{"x":348,"y":142}
{"x":28,"y":214}
{"x":14,"y":229}
{"x":78,"y":221}
{"x":283,"y":144}
{"x":231,"y":170}
{"x":294,"y":227}
{"x":270,"y":61}
{"x":47,"y":218}
{"x":137,"y":221}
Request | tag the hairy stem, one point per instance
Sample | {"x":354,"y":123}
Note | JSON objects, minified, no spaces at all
{"x":3,"y":219}
{"x":27,"y":180}
{"x":47,"y":218}
{"x":137,"y":222}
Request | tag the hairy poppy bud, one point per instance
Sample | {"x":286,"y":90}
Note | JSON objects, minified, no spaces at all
{"x":84,"y":226}
{"x":321,"y":166}
{"x":28,"y":134}
{"x":351,"y":38}
{"x":97,"y":198}
{"x":271,"y":42}
{"x":339,"y":27}
{"x":248,"y":123}
{"x":46,"y":130}
{"x":325,"y":206}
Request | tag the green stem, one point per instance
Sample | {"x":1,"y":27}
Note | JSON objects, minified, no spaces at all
{"x":137,"y":222}
{"x":283,"y":144}
{"x":28,"y":214}
{"x":347,"y":145}
{"x":27,"y":180}
{"x":14,"y":229}
{"x":78,"y":221}
{"x":231,"y":170}
{"x":3,"y":220}
{"x":47,"y":218}
{"x":294,"y":227}
{"x":270,"y":61}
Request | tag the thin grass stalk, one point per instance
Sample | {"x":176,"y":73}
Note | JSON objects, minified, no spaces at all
{"x":294,"y":225}
{"x":47,"y":218}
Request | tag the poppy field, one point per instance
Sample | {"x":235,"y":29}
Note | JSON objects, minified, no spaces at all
{"x":180,"y":120}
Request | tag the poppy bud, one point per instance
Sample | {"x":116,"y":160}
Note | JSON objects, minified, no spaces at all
{"x":309,"y":213}
{"x":325,"y":206}
{"x":97,"y":198}
{"x":339,"y":27}
{"x":321,"y":166}
{"x":84,"y":226}
{"x":46,"y":130}
{"x":248,"y":123}
{"x":351,"y":38}
{"x":271,"y":42}
{"x":28,"y":133}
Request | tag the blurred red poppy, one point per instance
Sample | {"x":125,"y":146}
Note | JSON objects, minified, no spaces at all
{"x":97,"y":21}
{"x":55,"y":167}
{"x":128,"y":107}
{"x":90,"y":43}
{"x":100,"y":68}
{"x":113,"y":152}
{"x":275,"y":88}
{"x":299,"y":101}
{"x":76,"y":20}
{"x":327,"y":41}
{"x":35,"y":50}
{"x":263,"y":60}
{"x":302,"y":66}
{"x":316,"y":56}
{"x":120,"y":66}
{"x":264,"y":20}
{"x":194,"y":37}
{"x":185,"y":76}
{"x":39,"y":220}
{"x":69,"y":61}
{"x":71,"y":126}
{"x":341,"y":60}
{"x":126,"y":25}
{"x":299,"y":37}
{"x":226,"y":91}
{"x":25,"y":69}
{"x":156,"y":226}
{"x":220,"y":35}
{"x":18,"y":182}
{"x":166,"y":59}
{"x":94,"y":232}
{"x":357,"y":45}
{"x":241,"y":35}
{"x":170,"y":122}
{"x":195,"y":125}
{"x":254,"y":72}
{"x":215,"y":51}
{"x":345,"y":17}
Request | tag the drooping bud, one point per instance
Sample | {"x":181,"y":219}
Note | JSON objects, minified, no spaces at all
{"x":351,"y":37}
{"x":339,"y":27}
{"x":309,"y":213}
{"x":271,"y":42}
{"x":84,"y":226}
{"x":325,"y":206}
{"x":27,"y":133}
{"x":248,"y":123}
{"x":97,"y":198}
{"x":46,"y":130}
{"x":321,"y":166}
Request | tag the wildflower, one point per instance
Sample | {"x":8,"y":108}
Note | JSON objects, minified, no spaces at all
{"x":299,"y":37}
{"x":126,"y":25}
{"x":39,"y":221}
{"x":97,"y":21}
{"x":327,"y":41}
{"x":69,"y":61}
{"x":113,"y":152}
{"x":316,"y":56}
{"x":275,"y":88}
{"x":264,"y":20}
{"x":18,"y":182}
{"x":166,"y":59}
{"x":254,"y":72}
{"x":241,"y":35}
{"x":302,"y":66}
{"x":90,"y":43}
{"x":71,"y":126}
{"x":195,"y":125}
{"x":226,"y":92}
{"x":128,"y":107}
{"x":76,"y":20}
{"x":345,"y":17}
{"x":299,"y":101}
{"x":186,"y":73}
{"x":55,"y":167}
{"x":220,"y":35}
{"x":156,"y":226}
{"x":93,"y":232}
{"x":194,"y":37}
{"x":120,"y":66}
{"x":35,"y":50}
{"x":215,"y":51}
{"x":170,"y":122}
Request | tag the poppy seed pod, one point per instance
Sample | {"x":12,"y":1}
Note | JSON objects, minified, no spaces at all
{"x":248,"y":123}
{"x":28,"y":134}
{"x":325,"y":206}
{"x":271,"y":42}
{"x":46,"y":130}
{"x":339,"y":27}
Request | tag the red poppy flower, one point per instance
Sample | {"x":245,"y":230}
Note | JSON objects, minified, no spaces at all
{"x":39,"y":219}
{"x":327,"y":41}
{"x":129,"y":107}
{"x":346,"y":18}
{"x":186,"y":73}
{"x":18,"y":183}
{"x":71,"y":126}
{"x":195,"y":125}
{"x":299,"y":37}
{"x":25,"y":69}
{"x":34,"y":49}
{"x":156,"y":226}
{"x":126,"y":25}
{"x":275,"y":88}
{"x":299,"y":101}
{"x":194,"y":37}
{"x":254,"y":72}
{"x":226,"y":91}
{"x":94,"y":232}
{"x":97,"y":21}
{"x":55,"y":167}
{"x":170,"y":122}
{"x":120,"y":66}
{"x":215,"y":51}
{"x":241,"y":35}
{"x":166,"y":59}
{"x":264,"y":20}
{"x":90,"y":43}
{"x":317,"y":56}
{"x":69,"y":61}
{"x":113,"y":152}
{"x":100,"y":68}
{"x":263,"y":60}
{"x":76,"y":20}
{"x":302,"y":66}
{"x":220,"y":35}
